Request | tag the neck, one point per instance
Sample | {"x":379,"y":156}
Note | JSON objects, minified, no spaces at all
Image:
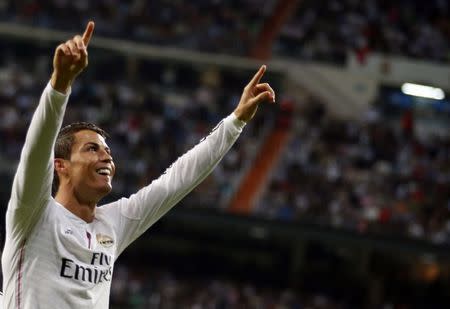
{"x":83,"y":209}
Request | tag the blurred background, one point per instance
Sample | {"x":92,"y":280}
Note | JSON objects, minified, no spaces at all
{"x":337,"y":197}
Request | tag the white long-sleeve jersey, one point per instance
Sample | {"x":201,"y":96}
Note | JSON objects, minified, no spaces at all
{"x":52,"y":258}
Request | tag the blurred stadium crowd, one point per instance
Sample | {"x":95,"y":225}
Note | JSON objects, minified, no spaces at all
{"x":214,"y":26}
{"x":318,"y":30}
{"x":366,"y":176}
{"x":162,"y":289}
{"x":327,"y":30}
{"x":372,"y":175}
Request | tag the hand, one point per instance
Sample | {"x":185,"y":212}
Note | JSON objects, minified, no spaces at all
{"x":254,"y":94}
{"x":70,"y":59}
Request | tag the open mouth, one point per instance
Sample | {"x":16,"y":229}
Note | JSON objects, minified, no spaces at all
{"x":104,"y":171}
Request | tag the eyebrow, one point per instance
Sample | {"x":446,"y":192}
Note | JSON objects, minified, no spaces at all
{"x":97,"y":145}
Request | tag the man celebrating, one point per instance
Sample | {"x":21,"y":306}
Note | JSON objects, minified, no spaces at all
{"x":60,"y":252}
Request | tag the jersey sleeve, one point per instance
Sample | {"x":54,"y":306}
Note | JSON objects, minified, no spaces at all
{"x":32,"y":183}
{"x":137,"y":213}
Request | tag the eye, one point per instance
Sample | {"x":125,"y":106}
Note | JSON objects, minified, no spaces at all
{"x":92,"y":148}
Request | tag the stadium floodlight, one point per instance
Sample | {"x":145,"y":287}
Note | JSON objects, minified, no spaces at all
{"x":423,"y":91}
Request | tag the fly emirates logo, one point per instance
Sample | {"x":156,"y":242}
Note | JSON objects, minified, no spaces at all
{"x":99,"y":270}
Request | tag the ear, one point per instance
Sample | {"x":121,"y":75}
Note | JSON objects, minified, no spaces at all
{"x":61,"y":166}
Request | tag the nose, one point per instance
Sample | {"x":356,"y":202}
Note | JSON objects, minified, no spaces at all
{"x":106,"y":156}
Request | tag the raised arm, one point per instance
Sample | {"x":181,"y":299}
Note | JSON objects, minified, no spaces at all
{"x":32,"y":182}
{"x":145,"y":207}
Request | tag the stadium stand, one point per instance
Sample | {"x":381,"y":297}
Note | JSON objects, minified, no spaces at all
{"x":317,"y":30}
{"x":371,"y":177}
{"x":323,"y":178}
{"x":327,"y":30}
{"x":213,"y":26}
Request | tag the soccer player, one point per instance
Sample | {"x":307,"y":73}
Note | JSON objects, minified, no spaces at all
{"x":60,"y":251}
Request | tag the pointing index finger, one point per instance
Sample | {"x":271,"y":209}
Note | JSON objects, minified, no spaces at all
{"x":255,"y":80}
{"x":88,"y":33}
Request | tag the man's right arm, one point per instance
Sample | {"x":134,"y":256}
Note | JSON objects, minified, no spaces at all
{"x":33,"y":180}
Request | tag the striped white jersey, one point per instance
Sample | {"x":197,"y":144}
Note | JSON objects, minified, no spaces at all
{"x":52,"y":258}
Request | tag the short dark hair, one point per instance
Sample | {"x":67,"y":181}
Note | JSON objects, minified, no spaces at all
{"x":65,"y":141}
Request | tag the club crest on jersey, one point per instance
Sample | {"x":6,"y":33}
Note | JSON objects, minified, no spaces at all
{"x":105,"y":240}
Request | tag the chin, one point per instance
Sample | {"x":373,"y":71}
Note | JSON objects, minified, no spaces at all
{"x":105,"y":190}
{"x":108,"y":189}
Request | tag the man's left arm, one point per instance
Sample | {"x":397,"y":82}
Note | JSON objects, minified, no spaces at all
{"x":151,"y":202}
